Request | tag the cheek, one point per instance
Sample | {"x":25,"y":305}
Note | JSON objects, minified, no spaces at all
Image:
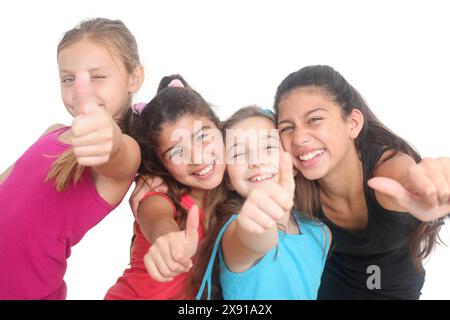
{"x":275,"y":160}
{"x":66,"y":96}
{"x":332,"y":136}
{"x":236,"y":174}
{"x":112,"y":94}
{"x":177,"y":171}
{"x":286,"y":142}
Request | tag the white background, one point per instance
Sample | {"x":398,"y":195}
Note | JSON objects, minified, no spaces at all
{"x":396,"y":53}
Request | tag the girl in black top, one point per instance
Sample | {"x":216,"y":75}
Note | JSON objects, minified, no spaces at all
{"x":381,"y":234}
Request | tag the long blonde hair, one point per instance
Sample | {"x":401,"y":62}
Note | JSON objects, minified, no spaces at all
{"x":114,"y":36}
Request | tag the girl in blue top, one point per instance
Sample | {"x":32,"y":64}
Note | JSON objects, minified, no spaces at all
{"x":266,"y":250}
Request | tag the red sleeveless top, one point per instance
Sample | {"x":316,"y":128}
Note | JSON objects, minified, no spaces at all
{"x":136,"y":283}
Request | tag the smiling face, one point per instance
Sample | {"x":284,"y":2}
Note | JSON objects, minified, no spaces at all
{"x":191,"y":150}
{"x":111,"y":84}
{"x":252,"y":149}
{"x":313,"y":129}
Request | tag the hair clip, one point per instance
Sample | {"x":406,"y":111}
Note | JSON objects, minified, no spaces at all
{"x":138,"y":107}
{"x":176,"y":83}
{"x":268,"y":112}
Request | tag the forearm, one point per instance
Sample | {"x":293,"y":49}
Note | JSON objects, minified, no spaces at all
{"x":152,"y":230}
{"x":258,"y":243}
{"x":124,"y":162}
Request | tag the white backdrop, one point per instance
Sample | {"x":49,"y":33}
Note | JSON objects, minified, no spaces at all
{"x":396,"y":53}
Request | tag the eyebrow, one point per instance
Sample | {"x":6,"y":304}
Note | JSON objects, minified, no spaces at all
{"x":90,"y":70}
{"x":306,"y":114}
{"x":269,"y":136}
{"x":193,"y":135}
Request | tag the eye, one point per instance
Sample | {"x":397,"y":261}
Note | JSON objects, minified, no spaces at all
{"x":176,"y":153}
{"x":238,"y":155}
{"x":98,"y":77}
{"x":314,"y":120}
{"x":271,"y":147}
{"x":201,"y":136}
{"x":285,"y":129}
{"x":67,"y":80}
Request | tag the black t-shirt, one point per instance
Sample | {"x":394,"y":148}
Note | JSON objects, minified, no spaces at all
{"x":375,"y":263}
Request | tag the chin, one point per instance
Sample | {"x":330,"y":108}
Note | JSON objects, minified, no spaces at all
{"x":213,"y":183}
{"x":312,"y":174}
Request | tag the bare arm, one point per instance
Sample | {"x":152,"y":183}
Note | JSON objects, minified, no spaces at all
{"x":242,"y":251}
{"x":171,"y":249}
{"x":124,"y":162}
{"x":155,"y":218}
{"x":422,"y":189}
{"x":395,"y":168}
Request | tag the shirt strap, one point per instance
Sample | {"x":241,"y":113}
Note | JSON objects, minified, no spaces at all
{"x":207,"y":277}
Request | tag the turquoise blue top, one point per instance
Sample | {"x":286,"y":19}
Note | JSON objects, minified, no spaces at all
{"x":293,"y":271}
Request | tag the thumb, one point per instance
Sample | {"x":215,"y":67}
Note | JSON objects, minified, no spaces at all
{"x":192,"y":226}
{"x":82,"y":98}
{"x":286,"y":174}
{"x":391,"y":188}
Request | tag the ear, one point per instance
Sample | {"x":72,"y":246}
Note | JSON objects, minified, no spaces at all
{"x":355,"y":122}
{"x":136,"y":79}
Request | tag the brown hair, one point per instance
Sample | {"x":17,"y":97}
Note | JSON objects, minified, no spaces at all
{"x":168,"y":106}
{"x":118,"y":40}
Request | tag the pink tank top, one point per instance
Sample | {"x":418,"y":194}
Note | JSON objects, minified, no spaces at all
{"x":39,"y":225}
{"x":136,"y":283}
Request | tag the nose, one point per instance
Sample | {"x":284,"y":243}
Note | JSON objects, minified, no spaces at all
{"x":202,"y":153}
{"x":256,"y":160}
{"x":300,"y":137}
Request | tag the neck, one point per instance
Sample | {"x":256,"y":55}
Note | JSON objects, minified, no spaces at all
{"x":198,"y":195}
{"x":344,"y":183}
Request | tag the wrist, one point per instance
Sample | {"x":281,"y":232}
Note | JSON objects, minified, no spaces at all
{"x":118,"y":140}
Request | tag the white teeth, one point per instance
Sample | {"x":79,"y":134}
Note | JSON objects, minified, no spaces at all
{"x":261,"y":177}
{"x":311,"y":155}
{"x":205,"y":171}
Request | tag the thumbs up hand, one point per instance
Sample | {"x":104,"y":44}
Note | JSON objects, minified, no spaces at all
{"x":268,"y":204}
{"x":171,"y":254}
{"x":94,"y":135}
{"x":424,"y":191}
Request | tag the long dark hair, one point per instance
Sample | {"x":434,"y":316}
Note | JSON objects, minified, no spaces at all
{"x":374,"y":136}
{"x":168,"y":106}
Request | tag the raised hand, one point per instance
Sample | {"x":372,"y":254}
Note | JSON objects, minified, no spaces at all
{"x":266,"y":205}
{"x":424,"y":192}
{"x":171,"y":254}
{"x":94,"y":135}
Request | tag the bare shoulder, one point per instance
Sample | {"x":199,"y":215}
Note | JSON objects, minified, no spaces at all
{"x":155,"y":216}
{"x":155,"y":206}
{"x":393,"y":165}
